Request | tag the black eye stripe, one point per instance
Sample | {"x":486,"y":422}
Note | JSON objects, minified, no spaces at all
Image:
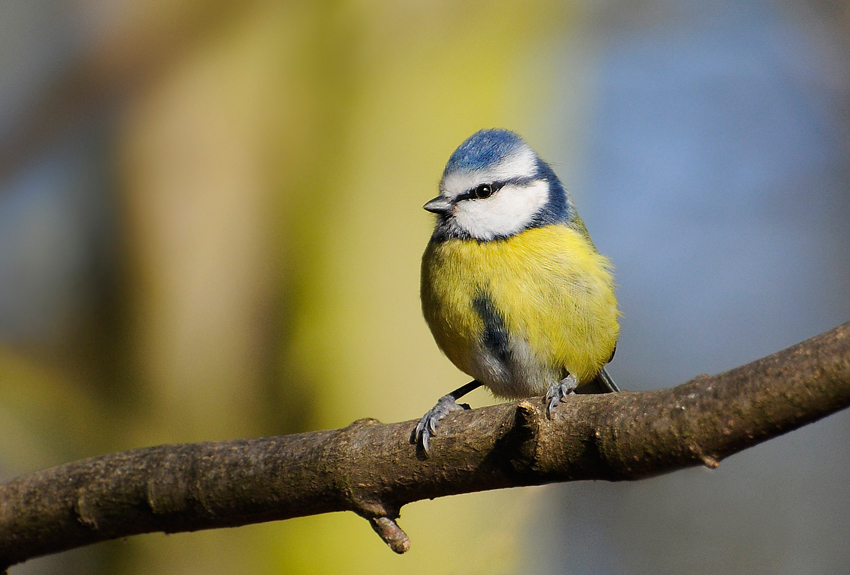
{"x":474,"y":193}
{"x":481,"y":191}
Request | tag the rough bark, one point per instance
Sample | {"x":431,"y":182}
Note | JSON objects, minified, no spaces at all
{"x":371,"y":468}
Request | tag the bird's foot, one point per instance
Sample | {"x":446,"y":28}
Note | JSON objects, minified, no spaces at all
{"x":427,"y":426}
{"x":559,"y":392}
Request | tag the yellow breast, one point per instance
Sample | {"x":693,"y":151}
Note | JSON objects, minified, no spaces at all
{"x":553,"y":293}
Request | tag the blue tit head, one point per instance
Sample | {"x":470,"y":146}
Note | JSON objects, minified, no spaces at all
{"x":495,"y":186}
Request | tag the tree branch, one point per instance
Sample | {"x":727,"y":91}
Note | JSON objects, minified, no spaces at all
{"x":371,"y":468}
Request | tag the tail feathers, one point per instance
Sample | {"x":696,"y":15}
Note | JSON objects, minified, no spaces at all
{"x":602,"y":383}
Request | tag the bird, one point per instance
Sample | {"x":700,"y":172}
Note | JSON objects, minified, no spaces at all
{"x":512,"y":287}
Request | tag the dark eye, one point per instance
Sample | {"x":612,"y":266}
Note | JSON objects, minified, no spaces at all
{"x":483,"y":191}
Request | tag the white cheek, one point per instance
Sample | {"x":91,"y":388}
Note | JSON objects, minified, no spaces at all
{"x":506,"y":212}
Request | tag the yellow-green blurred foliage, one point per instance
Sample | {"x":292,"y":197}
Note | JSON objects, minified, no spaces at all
{"x":270,"y":164}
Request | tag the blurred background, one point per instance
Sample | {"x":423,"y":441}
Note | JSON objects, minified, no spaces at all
{"x":211,"y":225}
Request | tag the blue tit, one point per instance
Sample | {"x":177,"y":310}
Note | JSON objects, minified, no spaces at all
{"x":513,"y":289}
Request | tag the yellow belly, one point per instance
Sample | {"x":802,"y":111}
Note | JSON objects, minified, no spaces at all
{"x":553,"y":292}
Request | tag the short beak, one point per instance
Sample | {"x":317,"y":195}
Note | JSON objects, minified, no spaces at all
{"x":439,"y":205}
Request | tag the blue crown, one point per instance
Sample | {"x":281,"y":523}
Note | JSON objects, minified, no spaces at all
{"x":482,"y":149}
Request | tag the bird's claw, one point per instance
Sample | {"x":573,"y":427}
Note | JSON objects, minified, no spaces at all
{"x":559,"y":392}
{"x":427,"y":426}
